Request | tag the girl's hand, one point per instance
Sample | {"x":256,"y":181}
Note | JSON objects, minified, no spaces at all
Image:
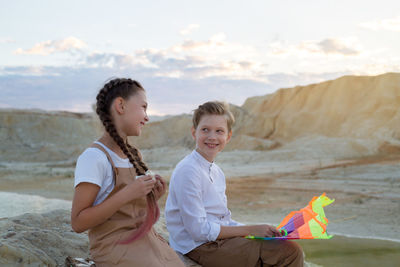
{"x":160,"y":187}
{"x":85,"y":216}
{"x":264,"y":230}
{"x":139,"y":188}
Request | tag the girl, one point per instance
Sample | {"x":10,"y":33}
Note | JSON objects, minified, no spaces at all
{"x":117,"y":207}
{"x":198,"y":219}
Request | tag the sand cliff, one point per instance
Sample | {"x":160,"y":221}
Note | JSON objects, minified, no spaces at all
{"x":359,"y":107}
{"x":350,"y":116}
{"x":358,"y":113}
{"x":34,"y":135}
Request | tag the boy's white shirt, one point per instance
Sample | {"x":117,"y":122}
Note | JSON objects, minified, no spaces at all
{"x":196,"y":205}
{"x":93,"y":167}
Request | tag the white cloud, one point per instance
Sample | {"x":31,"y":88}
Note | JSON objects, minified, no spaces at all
{"x":189,"y":29}
{"x":75,"y":89}
{"x":376,"y":67}
{"x":68,"y":44}
{"x":191,"y":59}
{"x":337,"y":46}
{"x":7,"y":41}
{"x":330,"y":46}
{"x":28,"y":71}
{"x":392,"y":24}
{"x":216,"y":63}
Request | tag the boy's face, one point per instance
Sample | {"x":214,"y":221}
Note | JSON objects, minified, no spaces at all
{"x":211,"y":135}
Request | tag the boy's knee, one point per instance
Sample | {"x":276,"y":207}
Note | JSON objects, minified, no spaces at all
{"x":295,"y":253}
{"x":297,"y":250}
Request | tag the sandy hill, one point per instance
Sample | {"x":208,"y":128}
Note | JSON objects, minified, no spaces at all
{"x":355,"y":115}
{"x":359,"y":110}
{"x":35,"y":135}
{"x":360,"y":107}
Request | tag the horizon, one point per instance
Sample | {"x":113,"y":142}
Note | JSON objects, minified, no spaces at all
{"x":162,"y":116}
{"x":187,"y":53}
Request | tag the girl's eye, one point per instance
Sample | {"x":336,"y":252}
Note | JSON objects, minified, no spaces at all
{"x":220,"y":131}
{"x":204,"y":129}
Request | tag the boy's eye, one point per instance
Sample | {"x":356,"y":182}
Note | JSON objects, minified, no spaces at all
{"x":204,"y":130}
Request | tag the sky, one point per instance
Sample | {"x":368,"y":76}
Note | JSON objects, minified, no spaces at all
{"x":56,"y":55}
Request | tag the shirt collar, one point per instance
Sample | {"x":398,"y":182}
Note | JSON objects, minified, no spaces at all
{"x":203,"y":162}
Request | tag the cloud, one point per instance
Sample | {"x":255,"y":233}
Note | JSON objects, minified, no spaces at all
{"x":336,"y":46}
{"x":329,"y":46}
{"x":7,"y":41}
{"x":69,"y":44}
{"x":179,"y":77}
{"x":189,"y":59}
{"x":189,"y":29}
{"x":75,"y":88}
{"x":392,"y":24}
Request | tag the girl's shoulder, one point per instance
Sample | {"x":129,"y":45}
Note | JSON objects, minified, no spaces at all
{"x":93,"y":155}
{"x":92,"y":166}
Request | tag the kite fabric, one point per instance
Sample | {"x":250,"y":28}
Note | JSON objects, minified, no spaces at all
{"x":308,"y":223}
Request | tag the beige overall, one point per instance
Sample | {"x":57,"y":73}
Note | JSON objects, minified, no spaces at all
{"x":150,"y":250}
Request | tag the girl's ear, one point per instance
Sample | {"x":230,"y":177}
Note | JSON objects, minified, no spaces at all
{"x":229,"y":136}
{"x":119,"y":105}
{"x":193,"y":133}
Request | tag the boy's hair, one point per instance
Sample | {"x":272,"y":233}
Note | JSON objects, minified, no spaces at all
{"x":214,"y":108}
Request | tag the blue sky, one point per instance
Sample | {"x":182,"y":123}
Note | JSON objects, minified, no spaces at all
{"x":55,"y":55}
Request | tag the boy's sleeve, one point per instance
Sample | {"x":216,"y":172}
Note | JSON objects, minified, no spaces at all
{"x":235,"y":223}
{"x":189,"y":200}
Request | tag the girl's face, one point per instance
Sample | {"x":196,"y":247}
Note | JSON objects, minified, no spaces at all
{"x":211,"y":135}
{"x":133,"y":115}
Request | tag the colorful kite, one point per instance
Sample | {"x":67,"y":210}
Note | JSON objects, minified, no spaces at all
{"x":308,"y":223}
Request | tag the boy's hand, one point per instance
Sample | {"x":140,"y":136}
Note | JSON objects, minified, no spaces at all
{"x":160,"y":187}
{"x":264,"y":230}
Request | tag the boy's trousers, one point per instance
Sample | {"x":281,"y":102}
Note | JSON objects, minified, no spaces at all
{"x":242,"y":252}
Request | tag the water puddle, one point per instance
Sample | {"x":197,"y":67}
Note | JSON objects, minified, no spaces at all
{"x":15,"y":204}
{"x":350,"y":251}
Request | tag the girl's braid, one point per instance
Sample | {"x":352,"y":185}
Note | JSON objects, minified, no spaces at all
{"x":124,"y":88}
{"x":103,"y":110}
{"x":134,"y":152}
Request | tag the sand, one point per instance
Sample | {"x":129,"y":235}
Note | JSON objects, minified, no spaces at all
{"x":367,"y":190}
{"x":261,"y":188}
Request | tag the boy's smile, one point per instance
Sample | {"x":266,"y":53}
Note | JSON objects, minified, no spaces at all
{"x":211,"y":135}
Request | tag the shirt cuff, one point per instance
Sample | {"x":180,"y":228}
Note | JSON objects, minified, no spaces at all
{"x":214,"y":231}
{"x":235,"y":223}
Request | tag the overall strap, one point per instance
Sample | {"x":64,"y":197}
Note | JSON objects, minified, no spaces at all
{"x":108,"y":157}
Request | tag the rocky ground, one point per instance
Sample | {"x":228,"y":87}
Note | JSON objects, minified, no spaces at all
{"x":366,"y":193}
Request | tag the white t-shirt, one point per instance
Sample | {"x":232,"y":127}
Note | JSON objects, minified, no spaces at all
{"x":93,"y":167}
{"x":196,"y":205}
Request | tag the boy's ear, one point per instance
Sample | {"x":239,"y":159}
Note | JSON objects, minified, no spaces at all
{"x":229,"y":136}
{"x":193,"y":133}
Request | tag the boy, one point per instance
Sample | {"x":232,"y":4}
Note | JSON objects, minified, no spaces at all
{"x":197,"y":216}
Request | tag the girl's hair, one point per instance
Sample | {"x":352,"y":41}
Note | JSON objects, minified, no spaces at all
{"x":213,"y":108}
{"x":125,"y":88}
